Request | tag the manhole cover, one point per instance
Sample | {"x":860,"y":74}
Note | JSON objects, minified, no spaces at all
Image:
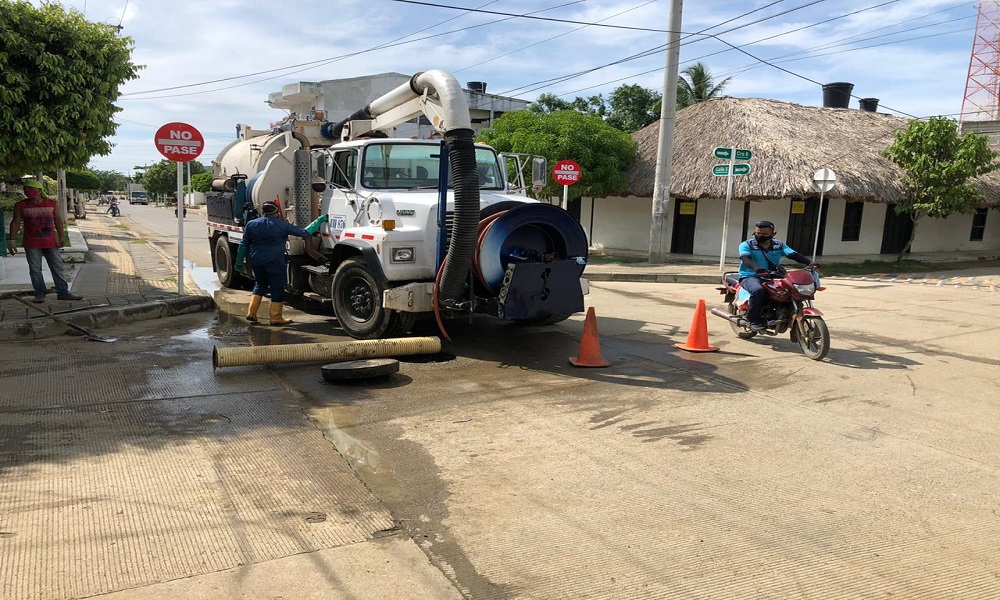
{"x":360,"y":369}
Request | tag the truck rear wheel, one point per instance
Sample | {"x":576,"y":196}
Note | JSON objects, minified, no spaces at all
{"x":357,"y":302}
{"x":225,"y":260}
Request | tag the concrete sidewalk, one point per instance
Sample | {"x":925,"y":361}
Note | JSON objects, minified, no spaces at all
{"x":121,"y":278}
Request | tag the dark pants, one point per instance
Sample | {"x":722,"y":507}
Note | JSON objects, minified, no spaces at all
{"x":271,"y":276}
{"x":758,"y":296}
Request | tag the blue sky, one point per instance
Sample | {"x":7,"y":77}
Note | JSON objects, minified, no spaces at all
{"x":911,"y":54}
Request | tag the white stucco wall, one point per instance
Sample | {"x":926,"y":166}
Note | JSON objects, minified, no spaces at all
{"x":870,"y":240}
{"x":952,"y":234}
{"x":623,"y":224}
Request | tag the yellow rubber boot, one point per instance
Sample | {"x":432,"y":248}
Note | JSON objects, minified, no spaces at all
{"x":252,"y":308}
{"x":276,"y":318}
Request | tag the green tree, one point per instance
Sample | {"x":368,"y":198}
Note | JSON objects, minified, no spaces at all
{"x":696,"y":84}
{"x":110,"y":180}
{"x":161,"y":178}
{"x":61,"y":75}
{"x":603,"y":152}
{"x":550,"y":103}
{"x":939,"y":167}
{"x":202,"y":182}
{"x":82,"y":180}
{"x":633,"y":107}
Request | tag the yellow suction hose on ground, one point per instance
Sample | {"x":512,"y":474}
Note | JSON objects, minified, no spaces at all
{"x":323,"y":351}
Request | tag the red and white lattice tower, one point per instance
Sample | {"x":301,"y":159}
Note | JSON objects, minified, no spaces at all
{"x":982,"y":87}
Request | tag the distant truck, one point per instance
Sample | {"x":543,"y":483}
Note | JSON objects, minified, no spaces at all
{"x":136,"y":194}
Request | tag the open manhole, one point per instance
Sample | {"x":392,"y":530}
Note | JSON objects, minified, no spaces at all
{"x":360,"y":369}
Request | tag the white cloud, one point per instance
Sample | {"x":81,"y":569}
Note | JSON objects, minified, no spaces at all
{"x":182,"y":42}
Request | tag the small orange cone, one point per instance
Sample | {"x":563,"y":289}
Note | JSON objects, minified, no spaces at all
{"x":698,"y":336}
{"x":589,"y":354}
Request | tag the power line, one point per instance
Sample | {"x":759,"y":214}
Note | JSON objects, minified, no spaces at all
{"x":324,"y":61}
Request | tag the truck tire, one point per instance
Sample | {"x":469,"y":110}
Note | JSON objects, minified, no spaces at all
{"x":225,"y":259}
{"x":357,"y":302}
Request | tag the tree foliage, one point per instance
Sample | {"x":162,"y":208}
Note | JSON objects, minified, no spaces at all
{"x":59,"y":78}
{"x":83,"y":180}
{"x":550,"y":103}
{"x":633,"y":107}
{"x":696,"y":84}
{"x":939,"y":167}
{"x":202,"y":182}
{"x":161,"y":178}
{"x":603,"y":152}
{"x":110,"y":180}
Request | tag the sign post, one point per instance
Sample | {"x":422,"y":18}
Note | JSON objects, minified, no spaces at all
{"x":823,"y":180}
{"x":180,"y":143}
{"x":729,"y":171}
{"x":566,"y":173}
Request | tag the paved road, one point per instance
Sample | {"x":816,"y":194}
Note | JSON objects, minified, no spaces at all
{"x":751,"y":472}
{"x":748,"y":473}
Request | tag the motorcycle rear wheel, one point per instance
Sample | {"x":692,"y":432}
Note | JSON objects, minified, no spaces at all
{"x":813,"y":337}
{"x":743,"y":334}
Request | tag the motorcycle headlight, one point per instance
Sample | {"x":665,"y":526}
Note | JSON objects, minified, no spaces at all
{"x":806,"y":290}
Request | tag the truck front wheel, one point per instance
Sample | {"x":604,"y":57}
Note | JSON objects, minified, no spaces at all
{"x":357,"y":302}
{"x":225,"y":261}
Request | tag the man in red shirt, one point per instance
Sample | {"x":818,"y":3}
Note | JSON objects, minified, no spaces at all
{"x":43,"y":226}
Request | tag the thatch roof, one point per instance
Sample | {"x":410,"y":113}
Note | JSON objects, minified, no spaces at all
{"x":789,"y":143}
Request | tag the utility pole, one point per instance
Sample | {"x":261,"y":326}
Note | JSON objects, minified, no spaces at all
{"x":665,"y":147}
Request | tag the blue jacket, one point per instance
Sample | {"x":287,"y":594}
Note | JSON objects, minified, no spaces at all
{"x":265,"y":238}
{"x":750,"y":247}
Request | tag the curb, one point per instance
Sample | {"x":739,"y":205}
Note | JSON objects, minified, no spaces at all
{"x":105,"y":317}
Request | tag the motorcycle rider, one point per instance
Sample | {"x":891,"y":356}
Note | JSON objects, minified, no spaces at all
{"x":760,"y":255}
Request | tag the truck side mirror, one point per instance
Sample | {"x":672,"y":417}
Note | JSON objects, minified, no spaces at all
{"x":539,"y":172}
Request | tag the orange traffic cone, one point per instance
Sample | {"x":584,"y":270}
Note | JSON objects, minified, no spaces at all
{"x":698,"y":336}
{"x":589,"y":354}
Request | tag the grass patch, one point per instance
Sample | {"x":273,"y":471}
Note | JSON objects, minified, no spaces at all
{"x":140,"y":241}
{"x":122,"y":227}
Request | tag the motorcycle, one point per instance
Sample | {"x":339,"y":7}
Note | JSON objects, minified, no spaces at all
{"x":114,"y":211}
{"x":789,"y":307}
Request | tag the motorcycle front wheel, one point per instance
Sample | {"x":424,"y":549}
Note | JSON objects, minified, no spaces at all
{"x":813,"y":337}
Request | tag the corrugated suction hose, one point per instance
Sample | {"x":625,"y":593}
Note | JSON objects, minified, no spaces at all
{"x":323,"y":351}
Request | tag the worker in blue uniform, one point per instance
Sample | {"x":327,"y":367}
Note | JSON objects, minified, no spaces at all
{"x":263,"y":246}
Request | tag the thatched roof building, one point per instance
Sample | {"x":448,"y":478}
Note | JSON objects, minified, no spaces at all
{"x":789,"y":143}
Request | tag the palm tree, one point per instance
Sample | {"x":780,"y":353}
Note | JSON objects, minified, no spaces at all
{"x":696,"y":85}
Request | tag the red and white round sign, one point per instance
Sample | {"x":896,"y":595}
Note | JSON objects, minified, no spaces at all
{"x":566,"y":172}
{"x":179,"y":142}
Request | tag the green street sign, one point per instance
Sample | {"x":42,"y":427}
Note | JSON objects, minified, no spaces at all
{"x":726,"y":153}
{"x":723,"y":170}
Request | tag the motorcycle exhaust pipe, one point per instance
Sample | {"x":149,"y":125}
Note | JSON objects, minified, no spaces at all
{"x":737,"y":319}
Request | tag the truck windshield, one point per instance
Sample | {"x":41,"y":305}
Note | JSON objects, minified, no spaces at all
{"x":411,"y":166}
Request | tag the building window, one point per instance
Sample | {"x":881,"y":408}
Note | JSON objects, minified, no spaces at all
{"x":852,"y":222}
{"x":978,"y":225}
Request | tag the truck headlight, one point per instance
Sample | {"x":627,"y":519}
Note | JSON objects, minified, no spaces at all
{"x":402,"y":254}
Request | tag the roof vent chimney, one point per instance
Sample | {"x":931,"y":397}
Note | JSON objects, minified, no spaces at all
{"x":837,"y":95}
{"x":868,"y":104}
{"x":477,"y":86}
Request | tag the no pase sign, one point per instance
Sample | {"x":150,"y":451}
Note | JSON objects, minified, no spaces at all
{"x":179,"y":142}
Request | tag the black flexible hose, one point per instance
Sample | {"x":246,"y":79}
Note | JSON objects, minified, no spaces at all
{"x":465,"y":227}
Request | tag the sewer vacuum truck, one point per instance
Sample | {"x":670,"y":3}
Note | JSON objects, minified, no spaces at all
{"x":415,"y":226}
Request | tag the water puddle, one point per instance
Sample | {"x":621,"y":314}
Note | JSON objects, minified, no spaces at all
{"x":204,"y":277}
